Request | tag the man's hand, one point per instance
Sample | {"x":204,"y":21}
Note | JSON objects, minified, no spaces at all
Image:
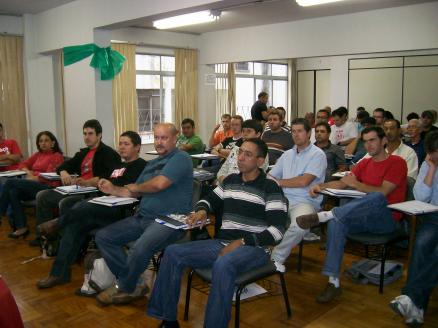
{"x":200,"y":217}
{"x":350,"y":180}
{"x":105,"y":186}
{"x":231,"y":247}
{"x":314,"y":190}
{"x":216,"y":127}
{"x":66,"y":178}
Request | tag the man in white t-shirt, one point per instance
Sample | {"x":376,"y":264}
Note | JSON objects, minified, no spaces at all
{"x":343,"y":132}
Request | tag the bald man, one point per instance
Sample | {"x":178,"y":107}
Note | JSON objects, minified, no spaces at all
{"x":165,"y":187}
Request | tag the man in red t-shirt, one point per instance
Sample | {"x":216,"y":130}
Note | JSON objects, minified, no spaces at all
{"x":383,"y":178}
{"x":10,"y":153}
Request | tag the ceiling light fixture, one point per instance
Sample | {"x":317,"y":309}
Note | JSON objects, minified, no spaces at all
{"x":199,"y":17}
{"x":306,"y":3}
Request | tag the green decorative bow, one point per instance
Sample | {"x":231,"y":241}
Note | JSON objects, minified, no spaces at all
{"x":108,"y":61}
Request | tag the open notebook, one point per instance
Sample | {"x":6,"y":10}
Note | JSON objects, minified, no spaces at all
{"x":177,"y":221}
{"x":75,"y":190}
{"x":414,"y":207}
{"x":113,"y":201}
{"x":343,"y":193}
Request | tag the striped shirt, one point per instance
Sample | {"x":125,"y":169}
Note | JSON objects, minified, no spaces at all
{"x":254,"y":210}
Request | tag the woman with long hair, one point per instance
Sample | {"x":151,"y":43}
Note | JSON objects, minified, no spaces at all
{"x":46,"y":159}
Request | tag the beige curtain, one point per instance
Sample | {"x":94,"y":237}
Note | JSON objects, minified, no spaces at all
{"x":59,"y":96}
{"x":231,"y":76}
{"x":186,"y":85}
{"x":12,"y":101}
{"x":292,"y":77}
{"x":125,"y":93}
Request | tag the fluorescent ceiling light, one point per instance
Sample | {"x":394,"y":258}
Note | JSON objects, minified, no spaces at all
{"x":187,"y":19}
{"x":306,"y":3}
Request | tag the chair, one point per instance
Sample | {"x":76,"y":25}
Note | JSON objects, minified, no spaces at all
{"x":242,"y":280}
{"x":383,"y":240}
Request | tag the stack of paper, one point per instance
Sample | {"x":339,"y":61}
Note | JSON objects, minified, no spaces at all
{"x":74,"y":190}
{"x":53,"y":176}
{"x":343,"y":193}
{"x":177,"y":221}
{"x":205,"y":156}
{"x":202,"y":175}
{"x":12,"y":173}
{"x":340,"y":174}
{"x":414,"y":207}
{"x":113,"y":200}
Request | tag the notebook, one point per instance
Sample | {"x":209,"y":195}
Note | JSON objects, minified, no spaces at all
{"x":53,"y":176}
{"x":75,"y":190}
{"x":12,"y":173}
{"x":113,"y":201}
{"x":414,"y":207}
{"x":177,"y":221}
{"x":343,"y":193}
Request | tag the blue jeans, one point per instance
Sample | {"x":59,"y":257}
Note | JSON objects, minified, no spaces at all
{"x":149,"y":236}
{"x":366,"y":214}
{"x":423,"y":269}
{"x":17,"y":190}
{"x":202,"y":254}
{"x":76,"y":224}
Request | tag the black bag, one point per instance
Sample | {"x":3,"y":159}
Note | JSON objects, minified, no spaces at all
{"x":368,"y":271}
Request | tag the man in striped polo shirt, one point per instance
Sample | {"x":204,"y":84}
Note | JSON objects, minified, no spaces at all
{"x":254,"y":217}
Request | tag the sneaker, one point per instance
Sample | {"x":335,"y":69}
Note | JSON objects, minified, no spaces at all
{"x":113,"y":295}
{"x":310,"y":236}
{"x":308,"y":221}
{"x":280,"y":267}
{"x":106,"y":297}
{"x":404,"y":306}
{"x":329,"y":293}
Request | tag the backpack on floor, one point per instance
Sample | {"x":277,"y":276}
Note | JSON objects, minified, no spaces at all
{"x":368,"y":271}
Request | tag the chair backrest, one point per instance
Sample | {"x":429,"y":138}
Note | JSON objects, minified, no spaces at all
{"x":410,"y":189}
{"x":204,"y":146}
{"x":197,"y":186}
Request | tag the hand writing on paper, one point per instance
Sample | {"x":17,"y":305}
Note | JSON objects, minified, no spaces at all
{"x":199,"y":217}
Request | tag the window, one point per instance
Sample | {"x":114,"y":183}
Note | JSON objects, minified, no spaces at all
{"x":253,"y":78}
{"x":155,"y":81}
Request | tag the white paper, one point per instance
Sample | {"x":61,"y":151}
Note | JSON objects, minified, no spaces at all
{"x":414,"y":207}
{"x":343,"y":193}
{"x":74,"y":189}
{"x":388,"y":267}
{"x":12,"y":173}
{"x":250,"y":290}
{"x":113,"y":200}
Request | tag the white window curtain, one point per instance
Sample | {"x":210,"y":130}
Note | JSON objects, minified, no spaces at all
{"x":292,"y":81}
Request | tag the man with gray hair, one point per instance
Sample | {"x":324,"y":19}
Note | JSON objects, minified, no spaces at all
{"x":414,"y":129}
{"x":165,"y":187}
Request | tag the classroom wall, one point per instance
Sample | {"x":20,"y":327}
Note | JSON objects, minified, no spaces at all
{"x":11,"y":25}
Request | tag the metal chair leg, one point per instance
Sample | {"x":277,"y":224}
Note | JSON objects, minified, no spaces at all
{"x":382,"y":268}
{"x":300,"y":256}
{"x":189,"y":287}
{"x":237,"y":311}
{"x":285,"y":296}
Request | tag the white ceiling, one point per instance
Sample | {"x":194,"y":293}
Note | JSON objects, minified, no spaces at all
{"x":243,"y":13}
{"x":20,"y":7}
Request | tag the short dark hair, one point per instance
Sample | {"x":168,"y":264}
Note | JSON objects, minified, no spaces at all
{"x":324,"y":111}
{"x":429,"y":114}
{"x":360,"y":109}
{"x":253,"y":124}
{"x":324,"y":124}
{"x":227,"y":116}
{"x":93,"y":124}
{"x":238,"y":117}
{"x":368,"y":120}
{"x":55,"y":148}
{"x":380,"y":110}
{"x":362,"y":114}
{"x":303,"y":122}
{"x":340,"y":112}
{"x":412,"y":116}
{"x":188,"y":121}
{"x":397,"y":122}
{"x":262,"y":148}
{"x":133,"y":136}
{"x":262,"y":94}
{"x":276,"y":112}
{"x":379,"y":131}
{"x":387,"y":115}
{"x":431,"y":142}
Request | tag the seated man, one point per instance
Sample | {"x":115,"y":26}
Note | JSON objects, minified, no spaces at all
{"x":356,"y":148}
{"x":223,"y":149}
{"x":250,"y":129}
{"x":415,"y":141}
{"x":95,"y":161}
{"x":422,"y":272}
{"x":221,"y":131}
{"x":10,"y":153}
{"x":296,"y":171}
{"x":322,"y":115}
{"x":428,"y":120}
{"x":165,"y":187}
{"x":284,"y":125}
{"x":335,"y":154}
{"x":277,"y":140}
{"x":188,"y":140}
{"x":383,"y":177}
{"x":379,"y":116}
{"x":254,"y":217}
{"x":343,"y":132}
{"x":85,"y":216}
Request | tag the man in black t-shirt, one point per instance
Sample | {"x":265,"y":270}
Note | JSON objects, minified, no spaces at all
{"x":84,"y":216}
{"x":259,"y":111}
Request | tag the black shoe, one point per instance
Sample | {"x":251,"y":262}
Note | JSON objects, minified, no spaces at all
{"x":15,"y":235}
{"x":35,"y":242}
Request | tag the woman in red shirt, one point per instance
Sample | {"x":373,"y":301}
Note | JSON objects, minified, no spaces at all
{"x":46,"y":159}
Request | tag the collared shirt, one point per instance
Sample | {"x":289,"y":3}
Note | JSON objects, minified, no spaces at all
{"x":422,"y":191}
{"x":177,"y":198}
{"x":292,"y":163}
{"x":335,"y":157}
